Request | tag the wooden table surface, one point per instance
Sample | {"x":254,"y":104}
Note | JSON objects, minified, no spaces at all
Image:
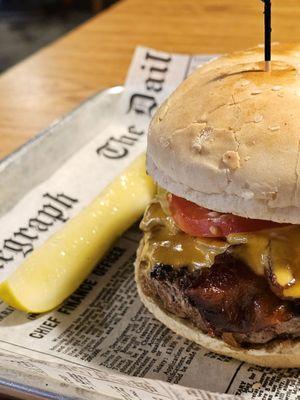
{"x":96,"y":55}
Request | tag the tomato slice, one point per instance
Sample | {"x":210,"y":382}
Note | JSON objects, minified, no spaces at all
{"x":199,"y":221}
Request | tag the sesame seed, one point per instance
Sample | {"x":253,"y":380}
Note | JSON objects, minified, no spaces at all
{"x":244,"y":82}
{"x":274,"y":128}
{"x":256,"y":91}
{"x":258,"y":118}
{"x":276,"y":88}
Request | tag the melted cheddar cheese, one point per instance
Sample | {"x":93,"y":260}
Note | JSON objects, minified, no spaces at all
{"x":275,"y":252}
{"x":165,"y":244}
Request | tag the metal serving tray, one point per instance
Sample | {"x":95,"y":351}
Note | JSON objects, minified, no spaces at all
{"x":40,"y":158}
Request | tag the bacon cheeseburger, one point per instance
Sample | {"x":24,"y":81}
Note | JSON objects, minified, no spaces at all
{"x":219,"y":262}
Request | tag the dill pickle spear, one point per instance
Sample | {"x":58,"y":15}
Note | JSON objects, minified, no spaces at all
{"x":54,"y":270}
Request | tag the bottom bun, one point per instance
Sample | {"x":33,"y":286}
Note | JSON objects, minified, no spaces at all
{"x":276,"y":354}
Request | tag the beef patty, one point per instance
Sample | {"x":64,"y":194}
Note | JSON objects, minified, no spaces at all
{"x":226,"y":300}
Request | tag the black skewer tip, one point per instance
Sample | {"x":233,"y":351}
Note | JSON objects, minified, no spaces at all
{"x":268,"y":30}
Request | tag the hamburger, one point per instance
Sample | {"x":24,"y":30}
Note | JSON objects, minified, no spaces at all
{"x":219,"y":261}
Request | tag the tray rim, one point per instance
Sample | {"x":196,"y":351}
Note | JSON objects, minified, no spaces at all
{"x":9,"y":387}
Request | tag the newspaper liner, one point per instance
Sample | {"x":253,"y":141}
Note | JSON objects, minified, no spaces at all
{"x":102,"y":343}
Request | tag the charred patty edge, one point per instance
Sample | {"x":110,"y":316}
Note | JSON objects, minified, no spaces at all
{"x":186,"y":311}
